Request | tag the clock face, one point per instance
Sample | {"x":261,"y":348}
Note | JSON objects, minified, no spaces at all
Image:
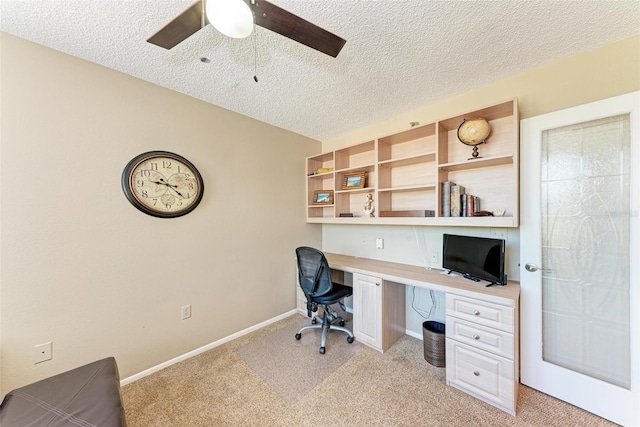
{"x":162,"y":184}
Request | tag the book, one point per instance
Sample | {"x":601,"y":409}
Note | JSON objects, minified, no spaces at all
{"x":446,"y":198}
{"x":456,"y":202}
{"x":470,"y":205}
{"x":464,"y":205}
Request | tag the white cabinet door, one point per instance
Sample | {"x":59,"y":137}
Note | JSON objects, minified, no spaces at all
{"x":367,"y":310}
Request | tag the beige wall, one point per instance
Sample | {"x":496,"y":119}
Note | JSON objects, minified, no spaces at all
{"x":81,"y":267}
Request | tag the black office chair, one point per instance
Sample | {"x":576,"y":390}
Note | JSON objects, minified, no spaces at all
{"x":314,"y":276}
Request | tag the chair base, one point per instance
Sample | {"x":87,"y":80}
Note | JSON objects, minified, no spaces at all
{"x":328,"y":317}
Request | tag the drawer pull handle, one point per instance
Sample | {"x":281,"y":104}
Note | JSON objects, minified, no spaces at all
{"x":476,"y":373}
{"x":476,"y":312}
{"x":476,"y":337}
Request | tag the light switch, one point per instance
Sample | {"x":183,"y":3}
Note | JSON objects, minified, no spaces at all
{"x":379,"y":243}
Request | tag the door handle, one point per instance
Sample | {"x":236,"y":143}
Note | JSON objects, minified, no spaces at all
{"x":533,"y":267}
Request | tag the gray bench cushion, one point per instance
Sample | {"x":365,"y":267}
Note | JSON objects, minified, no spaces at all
{"x":88,"y":396}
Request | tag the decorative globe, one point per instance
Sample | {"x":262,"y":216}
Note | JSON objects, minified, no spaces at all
{"x":474,"y":132}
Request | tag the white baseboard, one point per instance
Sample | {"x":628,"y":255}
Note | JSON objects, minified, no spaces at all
{"x":414,"y":334}
{"x":204,"y":348}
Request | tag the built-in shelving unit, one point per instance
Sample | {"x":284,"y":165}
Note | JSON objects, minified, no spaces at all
{"x":404,"y":173}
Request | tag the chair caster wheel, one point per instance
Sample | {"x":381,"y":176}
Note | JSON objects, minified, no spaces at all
{"x":298,"y":336}
{"x":322,"y":350}
{"x":342,"y":323}
{"x":349,"y":340}
{"x":314,"y":321}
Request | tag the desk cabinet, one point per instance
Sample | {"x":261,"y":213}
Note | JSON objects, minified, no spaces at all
{"x":481,"y":350}
{"x":378,"y":311}
{"x":367,"y":310}
{"x":481,"y":323}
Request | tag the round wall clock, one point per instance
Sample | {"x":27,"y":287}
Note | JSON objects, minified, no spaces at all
{"x":162,"y":184}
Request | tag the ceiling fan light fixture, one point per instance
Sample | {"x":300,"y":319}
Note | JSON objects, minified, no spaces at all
{"x":233,"y":18}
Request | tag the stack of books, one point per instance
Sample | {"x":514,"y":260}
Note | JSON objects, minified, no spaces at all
{"x":456,"y":203}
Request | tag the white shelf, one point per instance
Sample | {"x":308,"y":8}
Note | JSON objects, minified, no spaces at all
{"x":482,"y":162}
{"x":411,"y":160}
{"x":405,"y":172}
{"x":408,"y":188}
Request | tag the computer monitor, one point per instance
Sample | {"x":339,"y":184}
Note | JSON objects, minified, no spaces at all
{"x":478,"y":257}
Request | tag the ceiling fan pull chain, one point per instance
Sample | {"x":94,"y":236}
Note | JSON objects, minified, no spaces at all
{"x":255,"y":46}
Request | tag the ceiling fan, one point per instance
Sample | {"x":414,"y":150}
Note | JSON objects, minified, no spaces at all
{"x":264,"y":14}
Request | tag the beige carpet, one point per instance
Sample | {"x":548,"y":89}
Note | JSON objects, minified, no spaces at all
{"x":231,"y":386}
{"x":295,"y":372}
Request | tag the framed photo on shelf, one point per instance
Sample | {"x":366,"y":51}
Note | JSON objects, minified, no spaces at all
{"x":323,"y":197}
{"x":351,"y":181}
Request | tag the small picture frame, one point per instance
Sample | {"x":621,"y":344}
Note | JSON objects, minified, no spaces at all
{"x":352,"y":181}
{"x":323,"y":197}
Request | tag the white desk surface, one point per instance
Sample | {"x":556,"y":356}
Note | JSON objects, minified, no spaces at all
{"x":426,"y":278}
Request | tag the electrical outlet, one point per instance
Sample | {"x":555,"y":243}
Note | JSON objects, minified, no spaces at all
{"x":186,"y":311}
{"x":379,"y":243}
{"x":499,"y":233}
{"x":434,"y":259}
{"x":43,"y":352}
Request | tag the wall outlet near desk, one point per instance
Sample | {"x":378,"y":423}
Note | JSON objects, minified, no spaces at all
{"x":43,"y":352}
{"x":435,"y":259}
{"x":499,"y":233}
{"x":186,"y":311}
{"x":379,"y":243}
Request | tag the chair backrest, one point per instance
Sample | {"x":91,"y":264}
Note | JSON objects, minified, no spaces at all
{"x":314,"y":274}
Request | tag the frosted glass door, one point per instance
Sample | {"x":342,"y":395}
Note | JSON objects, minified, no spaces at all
{"x":580,"y":246}
{"x":585,"y":248}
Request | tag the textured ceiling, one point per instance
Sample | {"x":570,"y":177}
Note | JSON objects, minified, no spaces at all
{"x":399,"y":56}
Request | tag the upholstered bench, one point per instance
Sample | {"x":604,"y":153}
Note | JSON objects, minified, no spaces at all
{"x":88,"y":396}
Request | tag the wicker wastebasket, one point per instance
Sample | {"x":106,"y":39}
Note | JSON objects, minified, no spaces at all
{"x":433,"y":340}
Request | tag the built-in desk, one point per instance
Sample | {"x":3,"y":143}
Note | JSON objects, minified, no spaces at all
{"x":482,"y":322}
{"x":425,"y":278}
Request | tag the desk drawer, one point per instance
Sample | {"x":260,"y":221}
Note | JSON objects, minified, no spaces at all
{"x":487,"y":376}
{"x":482,"y":337}
{"x":481,"y":312}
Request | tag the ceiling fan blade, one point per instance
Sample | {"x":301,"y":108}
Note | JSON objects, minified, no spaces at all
{"x":183,"y":26}
{"x":278,"y":20}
